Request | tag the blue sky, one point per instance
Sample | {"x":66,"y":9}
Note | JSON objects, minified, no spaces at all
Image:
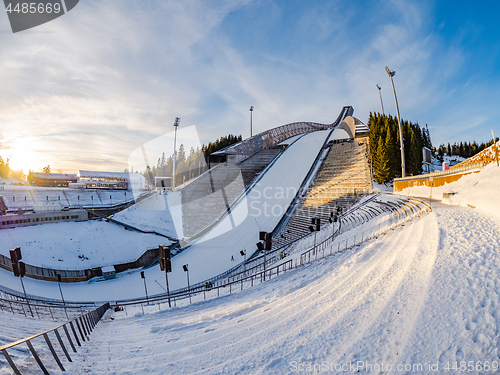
{"x":85,"y":90}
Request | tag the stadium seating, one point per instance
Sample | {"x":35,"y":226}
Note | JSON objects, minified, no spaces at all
{"x":344,"y":177}
{"x":210,"y":195}
{"x":28,"y":198}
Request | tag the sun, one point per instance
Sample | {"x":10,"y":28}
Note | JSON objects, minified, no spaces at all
{"x":23,"y":156}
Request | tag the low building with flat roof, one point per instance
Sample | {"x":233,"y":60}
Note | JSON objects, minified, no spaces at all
{"x":112,"y":180}
{"x":51,"y":179}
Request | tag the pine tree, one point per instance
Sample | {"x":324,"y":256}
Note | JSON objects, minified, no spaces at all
{"x":382,"y":167}
{"x":393,"y":151}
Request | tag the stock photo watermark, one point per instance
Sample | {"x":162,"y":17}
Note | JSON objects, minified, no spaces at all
{"x":365,"y":366}
{"x":25,"y":15}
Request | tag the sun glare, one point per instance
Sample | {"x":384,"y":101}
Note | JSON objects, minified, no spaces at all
{"x":22,"y":156}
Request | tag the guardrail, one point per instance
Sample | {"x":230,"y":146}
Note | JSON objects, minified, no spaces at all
{"x":452,"y":170}
{"x":398,"y":215}
{"x":84,"y":324}
{"x":41,"y":310}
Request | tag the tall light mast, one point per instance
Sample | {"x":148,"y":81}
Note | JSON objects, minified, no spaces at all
{"x":176,"y":124}
{"x":403,"y":164}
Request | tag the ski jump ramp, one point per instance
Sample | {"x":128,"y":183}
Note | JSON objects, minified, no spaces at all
{"x":260,"y":208}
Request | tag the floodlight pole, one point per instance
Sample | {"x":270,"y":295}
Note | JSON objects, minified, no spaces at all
{"x":380,"y":93}
{"x":403,"y":164}
{"x":176,"y":124}
{"x":251,"y":111}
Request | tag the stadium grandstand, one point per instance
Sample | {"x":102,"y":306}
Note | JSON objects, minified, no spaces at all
{"x":343,"y":178}
{"x":487,"y":156}
{"x":112,"y":180}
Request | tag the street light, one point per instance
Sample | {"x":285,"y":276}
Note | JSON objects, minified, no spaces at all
{"x":380,"y":92}
{"x":403,"y":164}
{"x":59,"y":279}
{"x":185,"y":268}
{"x":145,"y":287}
{"x":251,"y":111}
{"x":176,"y":124}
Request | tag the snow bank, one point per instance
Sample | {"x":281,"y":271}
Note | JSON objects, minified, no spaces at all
{"x":477,"y":189}
{"x":77,"y":245}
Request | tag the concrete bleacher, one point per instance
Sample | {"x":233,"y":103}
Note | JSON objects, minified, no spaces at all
{"x":344,"y":178}
{"x":29,"y":198}
{"x":211,"y":194}
{"x":486,"y":157}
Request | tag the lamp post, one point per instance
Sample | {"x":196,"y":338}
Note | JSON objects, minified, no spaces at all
{"x":251,"y":111}
{"x":380,"y":93}
{"x":145,"y":287}
{"x":403,"y":164}
{"x":176,"y":124}
{"x":185,"y":267}
{"x":244,"y":253}
{"x":59,"y":279}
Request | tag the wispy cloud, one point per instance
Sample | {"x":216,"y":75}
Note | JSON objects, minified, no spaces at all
{"x":94,"y":85}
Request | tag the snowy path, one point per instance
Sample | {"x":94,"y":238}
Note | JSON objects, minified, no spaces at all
{"x":423,"y":294}
{"x":462,"y":311}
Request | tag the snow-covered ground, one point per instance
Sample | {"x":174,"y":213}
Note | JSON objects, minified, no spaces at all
{"x":420,"y":299}
{"x":211,"y":255}
{"x":423,"y":298}
{"x":79,"y":245}
{"x":150,"y":215}
{"x":479,"y":190}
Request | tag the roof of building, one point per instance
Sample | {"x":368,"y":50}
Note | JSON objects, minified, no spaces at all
{"x":54,"y":176}
{"x":102,"y":174}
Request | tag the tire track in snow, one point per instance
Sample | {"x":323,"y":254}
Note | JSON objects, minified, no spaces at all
{"x":460,"y":319}
{"x":287,"y":305}
{"x":317,"y":320}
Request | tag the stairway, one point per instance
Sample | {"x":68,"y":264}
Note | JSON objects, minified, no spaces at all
{"x":343,"y":179}
{"x":210,"y":195}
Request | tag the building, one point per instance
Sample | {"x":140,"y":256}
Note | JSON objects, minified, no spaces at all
{"x":112,"y":180}
{"x":51,"y":179}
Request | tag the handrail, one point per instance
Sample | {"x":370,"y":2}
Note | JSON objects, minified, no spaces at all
{"x":236,"y":201}
{"x":346,"y":111}
{"x":85,"y":323}
{"x":453,"y":170}
{"x":287,"y":264}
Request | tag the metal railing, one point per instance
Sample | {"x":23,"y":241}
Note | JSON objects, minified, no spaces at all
{"x":450,"y":171}
{"x":40,"y":310}
{"x":400,"y":213}
{"x":81,"y":329}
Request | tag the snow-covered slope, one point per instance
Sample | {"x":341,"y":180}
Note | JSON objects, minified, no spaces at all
{"x":77,"y":245}
{"x":421,"y":299}
{"x":211,"y":255}
{"x":149,"y":215}
{"x":480,"y":190}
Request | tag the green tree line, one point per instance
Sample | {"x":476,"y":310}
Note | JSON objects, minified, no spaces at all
{"x":385,"y":146}
{"x":463,"y":149}
{"x":193,"y":160}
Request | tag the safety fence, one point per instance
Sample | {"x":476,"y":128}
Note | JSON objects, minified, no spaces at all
{"x":436,"y":179}
{"x":404,"y":211}
{"x":40,"y":310}
{"x":76,"y":331}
